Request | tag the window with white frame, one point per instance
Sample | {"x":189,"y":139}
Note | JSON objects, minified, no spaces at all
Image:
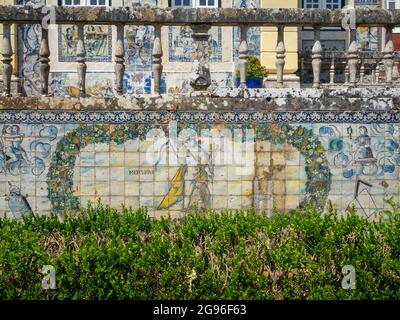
{"x":195,"y":3}
{"x":392,"y":4}
{"x":323,"y":4}
{"x":86,"y":2}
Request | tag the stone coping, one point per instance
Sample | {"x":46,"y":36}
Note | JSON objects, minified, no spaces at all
{"x":142,"y":15}
{"x":224,"y":99}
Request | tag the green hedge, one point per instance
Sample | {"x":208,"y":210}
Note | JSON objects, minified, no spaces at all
{"x":109,"y":254}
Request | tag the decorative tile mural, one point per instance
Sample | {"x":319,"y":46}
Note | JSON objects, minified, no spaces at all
{"x":253,"y":34}
{"x":28,"y":53}
{"x":139,"y":47}
{"x":180,"y":44}
{"x":98,"y":43}
{"x":100,"y":84}
{"x":367,"y":38}
{"x":172,"y":162}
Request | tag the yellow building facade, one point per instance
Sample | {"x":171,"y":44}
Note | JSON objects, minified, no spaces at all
{"x":268,"y":45}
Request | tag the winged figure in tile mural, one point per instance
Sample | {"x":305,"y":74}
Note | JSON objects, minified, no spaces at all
{"x":197,"y":193}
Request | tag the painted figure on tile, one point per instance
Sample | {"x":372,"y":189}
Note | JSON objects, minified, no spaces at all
{"x":139,"y":46}
{"x":364,"y":153}
{"x":176,"y":189}
{"x":13,"y":156}
{"x":71,"y":37}
{"x":17,"y":162}
{"x":18,"y":203}
{"x":199,"y":194}
{"x":182,"y":42}
{"x":250,"y":4}
{"x":96,"y":38}
{"x":97,"y":43}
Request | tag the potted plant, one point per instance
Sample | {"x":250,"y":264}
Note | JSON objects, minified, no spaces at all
{"x":255,"y":73}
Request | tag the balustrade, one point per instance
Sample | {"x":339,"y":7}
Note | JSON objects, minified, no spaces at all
{"x":356,"y":67}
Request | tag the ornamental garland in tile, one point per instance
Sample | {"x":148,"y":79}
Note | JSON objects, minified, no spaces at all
{"x":318,"y":174}
{"x":61,"y":170}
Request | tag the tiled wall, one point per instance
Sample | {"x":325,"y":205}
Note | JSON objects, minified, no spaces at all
{"x":60,"y":161}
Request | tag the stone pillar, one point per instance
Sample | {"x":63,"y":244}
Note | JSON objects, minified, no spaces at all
{"x":157,"y":59}
{"x":81,"y":60}
{"x":200,"y":76}
{"x":332,"y":71}
{"x":388,"y":55}
{"x":317,"y":57}
{"x":280,"y":56}
{"x":44,"y":53}
{"x":119,"y":60}
{"x":243,"y":56}
{"x":7,"y":53}
{"x":352,"y":53}
{"x":377,"y":71}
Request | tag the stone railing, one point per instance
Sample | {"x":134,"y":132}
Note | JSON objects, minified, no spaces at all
{"x":200,"y":20}
{"x":335,"y":72}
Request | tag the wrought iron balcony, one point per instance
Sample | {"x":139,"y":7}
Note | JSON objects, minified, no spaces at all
{"x":357,"y":68}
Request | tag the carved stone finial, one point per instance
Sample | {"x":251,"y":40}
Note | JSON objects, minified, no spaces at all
{"x":200,"y":76}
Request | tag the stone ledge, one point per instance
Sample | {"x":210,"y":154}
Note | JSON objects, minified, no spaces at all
{"x":178,"y":16}
{"x":224,"y":99}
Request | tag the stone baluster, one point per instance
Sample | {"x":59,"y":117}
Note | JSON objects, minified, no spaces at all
{"x":346,"y":74}
{"x":243,"y":56}
{"x":81,"y":60}
{"x":200,"y":76}
{"x":332,"y":71}
{"x":119,"y":66}
{"x":377,"y":71}
{"x":362,"y":71}
{"x":352,"y":62}
{"x":44,"y":53}
{"x":157,"y":59}
{"x":303,"y":72}
{"x":317,"y":57}
{"x":7,"y":53}
{"x":388,"y":55}
{"x":280,"y":56}
{"x":396,"y":70}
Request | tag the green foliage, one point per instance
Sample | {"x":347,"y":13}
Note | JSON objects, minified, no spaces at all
{"x":254,"y":69}
{"x":103,"y":253}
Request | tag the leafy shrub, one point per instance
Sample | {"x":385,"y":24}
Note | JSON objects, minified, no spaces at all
{"x":107,"y":254}
{"x":254,"y":69}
